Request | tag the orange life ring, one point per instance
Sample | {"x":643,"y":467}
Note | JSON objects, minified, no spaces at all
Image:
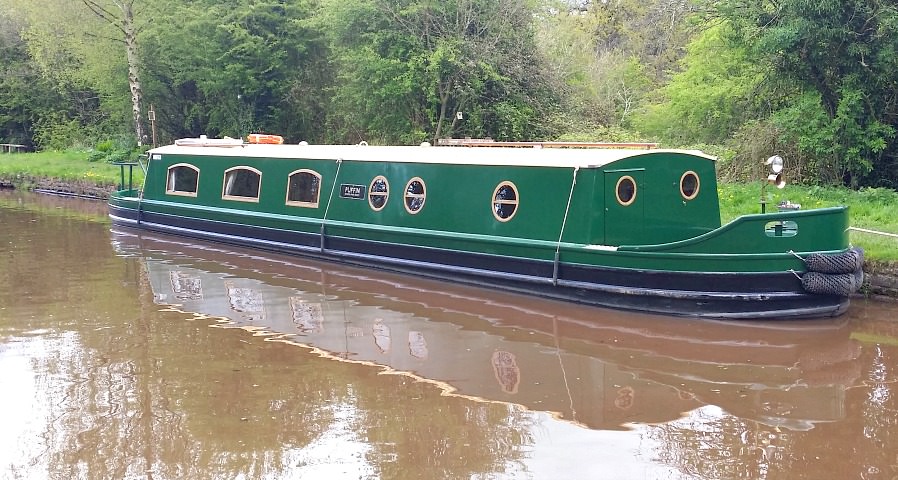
{"x":264,"y":138}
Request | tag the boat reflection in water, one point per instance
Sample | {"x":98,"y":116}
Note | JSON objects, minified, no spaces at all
{"x":603,"y":369}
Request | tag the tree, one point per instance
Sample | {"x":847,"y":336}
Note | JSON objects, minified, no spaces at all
{"x":842,"y":54}
{"x":19,"y":85}
{"x":711,"y":96}
{"x":78,"y":53}
{"x":609,"y":57}
{"x":226,"y":69}
{"x":121,"y":15}
{"x":43,"y":103}
{"x":421,"y":70}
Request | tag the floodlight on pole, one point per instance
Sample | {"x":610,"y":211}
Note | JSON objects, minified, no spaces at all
{"x":774,"y":177}
{"x":775,"y":163}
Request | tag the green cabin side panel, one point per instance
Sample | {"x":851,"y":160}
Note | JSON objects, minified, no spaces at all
{"x":459,"y":200}
{"x":271,"y":208}
{"x":624,"y":219}
{"x":660,"y":213}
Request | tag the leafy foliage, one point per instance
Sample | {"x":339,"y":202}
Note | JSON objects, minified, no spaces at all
{"x":840,"y":55}
{"x":119,"y":149}
{"x":420,"y":70}
{"x":709,"y":98}
{"x":812,"y":81}
{"x":27,"y":99}
{"x":224,"y":69}
{"x":609,"y":57}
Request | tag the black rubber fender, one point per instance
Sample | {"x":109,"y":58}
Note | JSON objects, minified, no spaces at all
{"x":840,"y":284}
{"x":848,"y":261}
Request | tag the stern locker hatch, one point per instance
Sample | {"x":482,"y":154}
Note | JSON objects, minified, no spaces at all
{"x":624,"y":217}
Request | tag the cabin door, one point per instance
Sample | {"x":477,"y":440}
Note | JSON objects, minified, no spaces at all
{"x":624,"y":200}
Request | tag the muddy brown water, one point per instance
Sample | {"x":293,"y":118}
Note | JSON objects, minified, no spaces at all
{"x":134,"y":355}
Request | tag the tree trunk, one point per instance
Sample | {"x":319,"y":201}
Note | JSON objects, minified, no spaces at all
{"x":125,"y":24}
{"x":133,"y":70}
{"x":443,"y":91}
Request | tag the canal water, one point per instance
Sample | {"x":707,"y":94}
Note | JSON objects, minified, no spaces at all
{"x":135,"y":355}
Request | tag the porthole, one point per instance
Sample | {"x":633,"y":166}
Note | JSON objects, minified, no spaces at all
{"x":625,"y":190}
{"x":689,"y":185}
{"x":505,"y":201}
{"x":378,"y":193}
{"x":242,"y":183}
{"x":304,"y":188}
{"x":414,"y":195}
{"x":182,"y":179}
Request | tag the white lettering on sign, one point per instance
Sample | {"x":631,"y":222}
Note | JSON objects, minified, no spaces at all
{"x":356,"y":192}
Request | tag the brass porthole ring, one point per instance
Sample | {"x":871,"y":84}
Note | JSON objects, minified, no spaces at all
{"x":378,"y":193}
{"x":625,"y":190}
{"x":415,"y":195}
{"x":690,"y":185}
{"x":505,"y":201}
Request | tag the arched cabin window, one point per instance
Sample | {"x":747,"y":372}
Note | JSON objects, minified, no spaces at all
{"x":505,"y":201}
{"x":304,"y":188}
{"x":242,"y":184}
{"x":415,"y":194}
{"x":182,"y":179}
{"x":378,"y":193}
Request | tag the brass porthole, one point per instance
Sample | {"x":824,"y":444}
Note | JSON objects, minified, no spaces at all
{"x":690,"y":185}
{"x":378,"y":193}
{"x":505,"y":201}
{"x":625,"y":190}
{"x":415,"y":195}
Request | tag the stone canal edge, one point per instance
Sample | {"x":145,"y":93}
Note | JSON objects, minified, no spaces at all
{"x":881,"y":278}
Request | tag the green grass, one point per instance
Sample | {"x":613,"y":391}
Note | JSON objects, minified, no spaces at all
{"x":68,"y":166}
{"x":874,"y":209}
{"x":870,"y":208}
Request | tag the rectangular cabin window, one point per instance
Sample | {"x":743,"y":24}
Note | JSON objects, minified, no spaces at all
{"x":242,"y":183}
{"x":182,"y":180}
{"x":303,"y":188}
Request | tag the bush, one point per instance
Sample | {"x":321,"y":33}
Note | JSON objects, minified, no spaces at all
{"x":599,"y":133}
{"x":58,"y":134}
{"x":118,"y":149}
{"x":104,"y":146}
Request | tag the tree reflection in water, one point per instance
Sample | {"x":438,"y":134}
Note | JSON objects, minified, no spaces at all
{"x":713,"y":443}
{"x":140,"y":404}
{"x":126,"y":389}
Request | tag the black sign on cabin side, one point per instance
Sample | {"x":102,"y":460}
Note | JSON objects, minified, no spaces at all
{"x":356,"y":192}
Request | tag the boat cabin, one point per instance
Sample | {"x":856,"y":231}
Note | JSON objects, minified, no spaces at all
{"x":602,"y":197}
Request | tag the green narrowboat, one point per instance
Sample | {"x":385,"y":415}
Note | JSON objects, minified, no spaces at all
{"x":626,"y":228}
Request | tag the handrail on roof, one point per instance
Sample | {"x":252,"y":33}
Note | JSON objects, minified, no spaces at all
{"x":488,"y":142}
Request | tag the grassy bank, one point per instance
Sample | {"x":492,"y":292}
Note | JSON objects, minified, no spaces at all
{"x":874,"y":209}
{"x":59,"y":169}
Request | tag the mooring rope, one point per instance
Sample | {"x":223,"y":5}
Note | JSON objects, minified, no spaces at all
{"x":329,"y":198}
{"x":563,"y":223}
{"x":875,"y":232}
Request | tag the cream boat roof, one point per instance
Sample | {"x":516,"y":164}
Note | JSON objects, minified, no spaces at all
{"x":530,"y":157}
